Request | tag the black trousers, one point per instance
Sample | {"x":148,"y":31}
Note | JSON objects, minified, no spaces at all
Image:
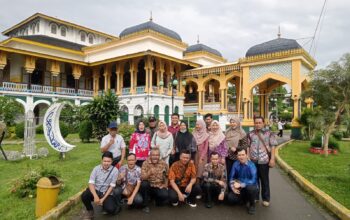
{"x":247,"y":194}
{"x":229,"y":164}
{"x":263,"y":181}
{"x":109,"y":205}
{"x":211,"y":191}
{"x":159,"y":195}
{"x":196,"y":190}
{"x":116,"y":160}
{"x":118,"y":193}
{"x":280,"y":133}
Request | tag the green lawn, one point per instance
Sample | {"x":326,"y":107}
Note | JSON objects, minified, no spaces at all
{"x":74,"y":171}
{"x":331,"y":174}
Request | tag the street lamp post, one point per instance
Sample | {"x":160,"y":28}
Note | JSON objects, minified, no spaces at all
{"x":173,"y":84}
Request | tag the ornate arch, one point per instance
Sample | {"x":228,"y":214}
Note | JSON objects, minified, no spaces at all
{"x":270,"y":76}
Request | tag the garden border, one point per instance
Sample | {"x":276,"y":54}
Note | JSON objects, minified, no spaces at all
{"x":339,"y":210}
{"x":63,"y":207}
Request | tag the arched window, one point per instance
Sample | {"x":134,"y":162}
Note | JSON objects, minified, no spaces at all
{"x":91,"y":39}
{"x":108,"y":40}
{"x":37,"y":27}
{"x":63,"y":31}
{"x":53,"y":29}
{"x":82,"y":37}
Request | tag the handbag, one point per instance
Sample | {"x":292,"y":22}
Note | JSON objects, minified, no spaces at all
{"x":129,"y":188}
{"x":263,"y":142}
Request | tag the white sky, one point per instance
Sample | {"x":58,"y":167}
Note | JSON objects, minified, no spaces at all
{"x":228,"y":26}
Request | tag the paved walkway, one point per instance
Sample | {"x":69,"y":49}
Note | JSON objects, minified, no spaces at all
{"x":287,"y":203}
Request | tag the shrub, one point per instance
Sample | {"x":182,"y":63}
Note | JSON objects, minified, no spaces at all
{"x":20,"y":130}
{"x":288,"y":126}
{"x":126,"y":131}
{"x":85,"y":131}
{"x":26,"y":186}
{"x":346,"y":134}
{"x":317,"y":142}
{"x":39,"y":129}
{"x":337,"y":135}
{"x":64,"y":129}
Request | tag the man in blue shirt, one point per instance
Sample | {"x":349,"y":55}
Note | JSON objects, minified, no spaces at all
{"x":243,"y":181}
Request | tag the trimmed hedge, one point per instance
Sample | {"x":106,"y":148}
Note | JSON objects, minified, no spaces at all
{"x":317,"y":142}
{"x":64,"y":129}
{"x":85,"y":131}
{"x":20,"y":130}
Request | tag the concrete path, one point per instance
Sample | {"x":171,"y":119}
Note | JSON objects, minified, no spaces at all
{"x":287,"y":203}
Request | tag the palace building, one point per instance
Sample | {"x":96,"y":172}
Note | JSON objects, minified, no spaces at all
{"x":149,"y":67}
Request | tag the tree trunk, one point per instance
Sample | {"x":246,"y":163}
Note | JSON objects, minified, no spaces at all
{"x":325,"y":143}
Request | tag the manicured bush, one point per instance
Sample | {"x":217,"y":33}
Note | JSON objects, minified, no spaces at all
{"x":338,"y":135}
{"x":64,"y":129}
{"x":346,"y":134}
{"x":20,"y":130}
{"x":85,"y":131}
{"x":39,"y":129}
{"x":126,"y":131}
{"x":317,"y":142}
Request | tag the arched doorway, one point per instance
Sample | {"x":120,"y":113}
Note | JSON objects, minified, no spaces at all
{"x":191,"y":95}
{"x":39,"y":112}
{"x":138,"y":113}
{"x":212,"y":92}
{"x":176,"y":110}
{"x":166,"y":114}
{"x":124,"y":114}
{"x":156,"y":111}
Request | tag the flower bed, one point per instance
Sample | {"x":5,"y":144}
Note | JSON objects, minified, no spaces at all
{"x":318,"y":150}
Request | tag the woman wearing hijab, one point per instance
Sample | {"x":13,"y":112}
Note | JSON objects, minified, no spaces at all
{"x":201,"y":136}
{"x":184,"y":140}
{"x":140,"y":143}
{"x":235,"y":137}
{"x":163,"y":140}
{"x":217,"y":141}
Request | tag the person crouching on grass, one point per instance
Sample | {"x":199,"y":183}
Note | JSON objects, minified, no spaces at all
{"x":101,"y":184}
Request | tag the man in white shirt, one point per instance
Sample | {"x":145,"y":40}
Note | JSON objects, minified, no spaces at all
{"x":115,"y":144}
{"x":280,"y":125}
{"x":101,"y":184}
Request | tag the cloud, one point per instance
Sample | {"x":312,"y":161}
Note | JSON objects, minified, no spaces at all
{"x":231,"y":27}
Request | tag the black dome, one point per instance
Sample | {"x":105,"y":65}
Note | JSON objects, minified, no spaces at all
{"x":153,"y":26}
{"x":272,"y":46}
{"x":202,"y":47}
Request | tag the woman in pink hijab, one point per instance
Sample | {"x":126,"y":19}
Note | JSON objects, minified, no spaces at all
{"x":201,"y":136}
{"x":217,"y":141}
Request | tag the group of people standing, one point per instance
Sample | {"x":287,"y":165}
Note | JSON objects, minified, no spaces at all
{"x":172,"y":165}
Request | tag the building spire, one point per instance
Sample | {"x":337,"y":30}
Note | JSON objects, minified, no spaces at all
{"x":197,"y":38}
{"x":151,"y":18}
{"x":279,"y":31}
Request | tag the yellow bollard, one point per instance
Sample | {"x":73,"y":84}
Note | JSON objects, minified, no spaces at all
{"x":46,"y":194}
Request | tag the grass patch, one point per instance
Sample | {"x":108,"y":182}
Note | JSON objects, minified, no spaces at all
{"x":74,"y":170}
{"x":331,"y":174}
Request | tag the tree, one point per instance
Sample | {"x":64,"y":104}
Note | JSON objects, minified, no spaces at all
{"x":330,"y":90}
{"x":9,"y":110}
{"x":102,"y":110}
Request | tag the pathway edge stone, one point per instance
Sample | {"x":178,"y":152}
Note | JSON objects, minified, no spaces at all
{"x":63,"y":207}
{"x":339,"y":210}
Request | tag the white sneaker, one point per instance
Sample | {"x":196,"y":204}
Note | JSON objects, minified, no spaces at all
{"x":199,"y":197}
{"x":193,"y":205}
{"x":175,"y":204}
{"x":266,"y":203}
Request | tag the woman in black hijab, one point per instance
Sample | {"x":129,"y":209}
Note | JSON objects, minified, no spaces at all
{"x":184,"y":140}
